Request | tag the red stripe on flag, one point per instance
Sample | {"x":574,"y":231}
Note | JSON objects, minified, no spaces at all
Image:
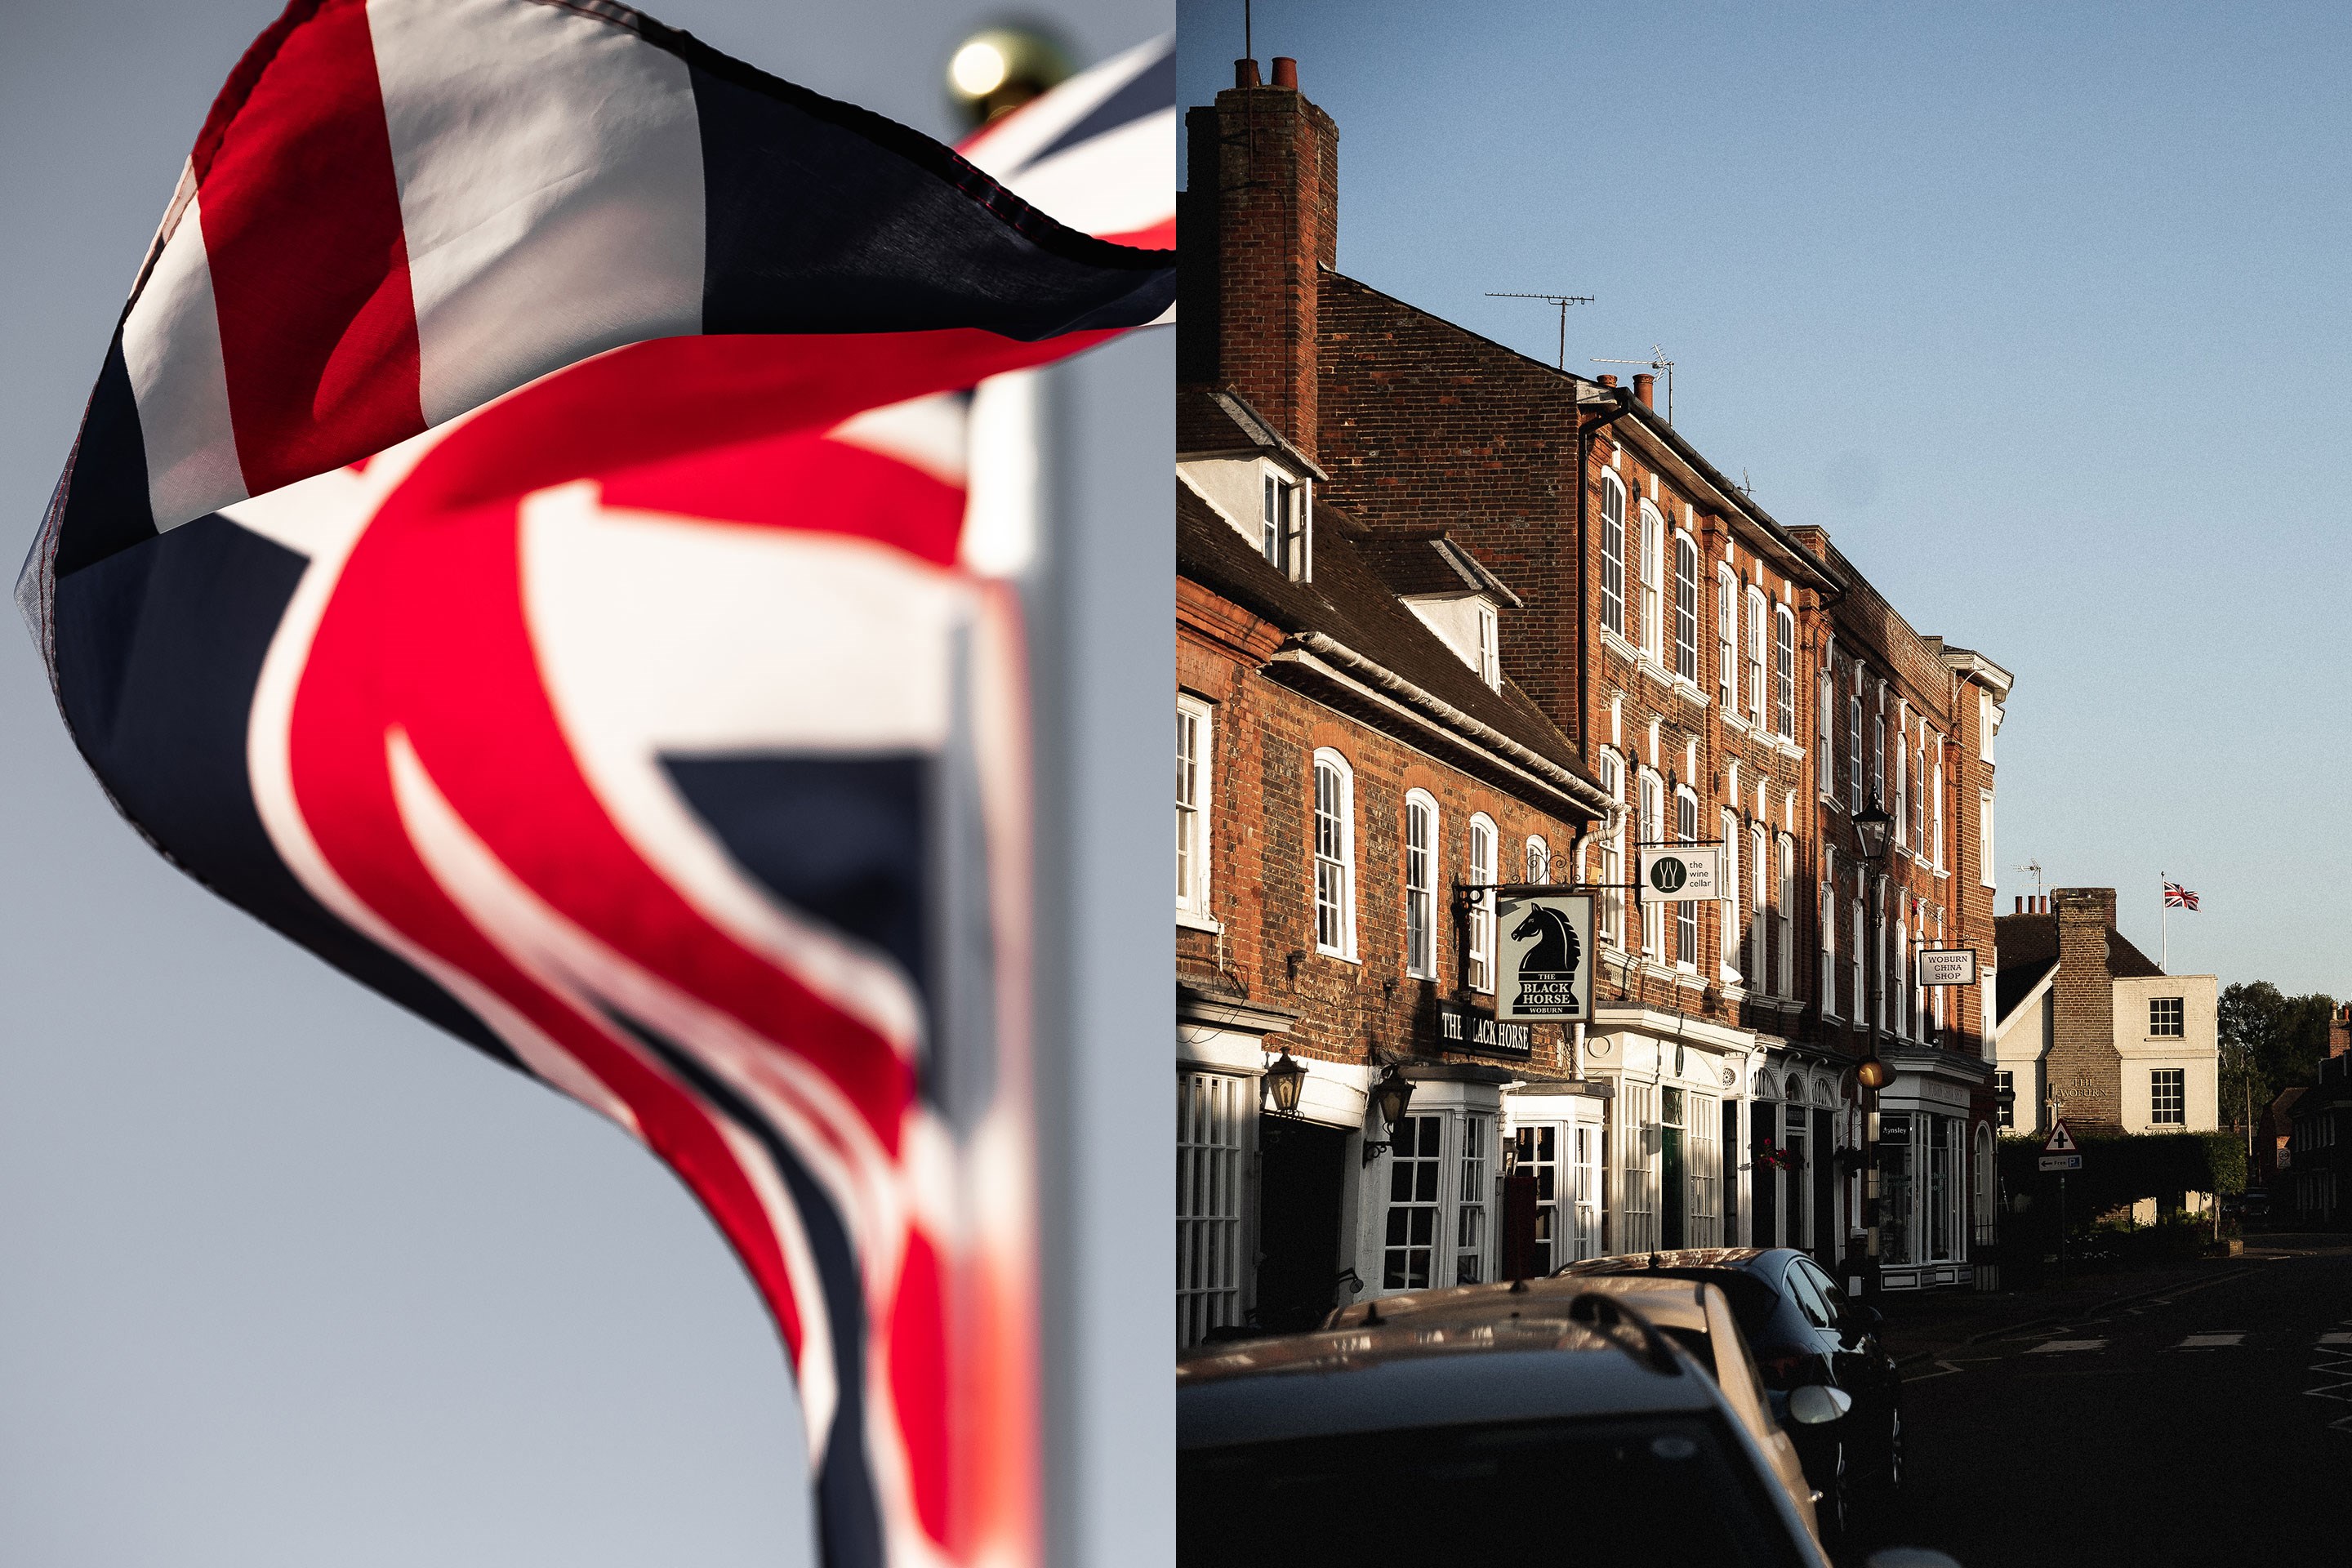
{"x":310,"y":263}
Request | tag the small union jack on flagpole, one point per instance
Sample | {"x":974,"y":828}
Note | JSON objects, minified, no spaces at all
{"x":2176,"y":897}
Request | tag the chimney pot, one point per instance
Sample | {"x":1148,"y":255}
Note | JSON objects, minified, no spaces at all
{"x":1286,"y":72}
{"x":1644,"y":387}
{"x":2020,"y":905}
{"x":1246,"y":73}
{"x":1608,"y":381}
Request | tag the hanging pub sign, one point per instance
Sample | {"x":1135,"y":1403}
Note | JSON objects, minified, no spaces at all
{"x":1463,"y":1028}
{"x":1948,"y":966}
{"x":1546,"y":937}
{"x":1678,"y":873}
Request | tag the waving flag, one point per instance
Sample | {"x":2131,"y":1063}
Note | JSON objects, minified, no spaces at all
{"x":510,"y":549}
{"x":2177,"y":897}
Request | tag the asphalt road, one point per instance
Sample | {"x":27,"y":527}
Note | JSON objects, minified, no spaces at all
{"x":2211,"y":1423}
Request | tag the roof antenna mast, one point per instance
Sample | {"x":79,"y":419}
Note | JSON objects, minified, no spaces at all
{"x":1658,"y":361}
{"x":1562,"y":300}
{"x":1247,"y":53}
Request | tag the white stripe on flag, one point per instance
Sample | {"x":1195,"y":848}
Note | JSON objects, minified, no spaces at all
{"x":550,"y":188}
{"x":1005,"y":148}
{"x":172,"y":348}
{"x":1117,"y":182}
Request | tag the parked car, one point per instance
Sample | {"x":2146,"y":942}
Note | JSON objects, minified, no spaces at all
{"x":1695,"y":1315}
{"x":1803,"y":1331}
{"x":1484,"y":1439}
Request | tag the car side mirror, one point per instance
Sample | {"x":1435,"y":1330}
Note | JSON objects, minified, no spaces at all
{"x":1817,"y":1403}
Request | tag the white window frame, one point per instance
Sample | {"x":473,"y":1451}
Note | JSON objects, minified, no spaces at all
{"x":2176,"y":1103}
{"x":1902,"y":787}
{"x":1610,"y":852}
{"x":2157,"y":1019}
{"x":1938,"y":823}
{"x":1879,"y":757}
{"x":1421,"y":892}
{"x":1984,"y":724}
{"x":1613,"y":553}
{"x":1475,"y":1147}
{"x":1340,"y":890}
{"x":1828,"y":918}
{"x":1215,"y":1131}
{"x":1784,"y":673}
{"x":1654,"y":581}
{"x":1987,"y":866}
{"x":1784,"y":917}
{"x":1649,"y":827}
{"x":1687,"y":606}
{"x":1755,"y":650}
{"x":1854,"y":744}
{"x":1760,"y":911}
{"x":1825,"y":729}
{"x":1734,"y":927}
{"x":1194,"y":818}
{"x":1478,"y":959}
{"x":1490,"y":654}
{"x":1727,"y":639}
{"x":1407,"y":1160}
{"x":1857,"y":979}
{"x":1686,"y":927}
{"x":1538,"y":861}
{"x":1585,"y":1140}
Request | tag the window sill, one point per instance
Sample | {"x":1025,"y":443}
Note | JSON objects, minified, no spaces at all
{"x":1338,"y":957}
{"x":1689,"y":690}
{"x":1732,"y":718}
{"x":1187,"y":920}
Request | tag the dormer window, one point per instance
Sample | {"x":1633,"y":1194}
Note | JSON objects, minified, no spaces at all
{"x":1282,"y":536}
{"x":1490,"y":664}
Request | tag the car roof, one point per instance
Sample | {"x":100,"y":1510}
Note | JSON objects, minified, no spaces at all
{"x":1429,"y":1373}
{"x":1757,"y":1260}
{"x":1671,"y":1301}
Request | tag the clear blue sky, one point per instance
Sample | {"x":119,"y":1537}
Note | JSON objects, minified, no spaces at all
{"x":2040,"y":309}
{"x":287,"y":1280}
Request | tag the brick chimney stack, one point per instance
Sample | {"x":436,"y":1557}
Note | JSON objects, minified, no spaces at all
{"x":1258,"y":219}
{"x":2085,"y":1071}
{"x":2339,"y":1030}
{"x":1645,"y":387}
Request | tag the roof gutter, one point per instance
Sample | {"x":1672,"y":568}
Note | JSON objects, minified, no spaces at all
{"x":1393,"y":685}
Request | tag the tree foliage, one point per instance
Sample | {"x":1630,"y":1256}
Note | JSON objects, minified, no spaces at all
{"x":2269,"y":1041}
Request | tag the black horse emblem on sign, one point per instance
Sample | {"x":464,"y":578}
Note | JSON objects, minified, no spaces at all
{"x":1548,"y":970}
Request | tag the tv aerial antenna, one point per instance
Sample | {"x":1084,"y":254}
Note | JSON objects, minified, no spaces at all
{"x":1658,"y":361}
{"x":1563,"y":301}
{"x":2033,"y":869}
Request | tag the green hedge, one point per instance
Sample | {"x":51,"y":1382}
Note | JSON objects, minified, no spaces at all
{"x":2123,"y":1167}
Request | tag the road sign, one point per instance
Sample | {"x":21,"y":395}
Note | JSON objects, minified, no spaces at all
{"x":2062,"y":1162}
{"x":2061,"y":1141}
{"x":1546,"y":940}
{"x":1948,"y":966}
{"x":1681,"y":873}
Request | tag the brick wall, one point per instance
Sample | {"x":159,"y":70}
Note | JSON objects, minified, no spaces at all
{"x":2085,"y":1071}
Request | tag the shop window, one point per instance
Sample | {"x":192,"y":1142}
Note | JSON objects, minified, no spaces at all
{"x":1588,"y":1191}
{"x":1471,"y":1200}
{"x":1414,"y":1169}
{"x":1894,"y":1183}
{"x":1535,"y":1151}
{"x":1213,"y":1118}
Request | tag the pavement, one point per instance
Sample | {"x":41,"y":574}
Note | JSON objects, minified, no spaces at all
{"x":2189,"y":1412}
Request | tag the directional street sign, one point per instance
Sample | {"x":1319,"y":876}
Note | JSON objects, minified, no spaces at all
{"x":2062,"y":1162}
{"x":2061,"y":1141}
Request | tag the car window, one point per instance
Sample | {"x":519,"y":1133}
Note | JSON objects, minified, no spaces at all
{"x":1667,"y":1489}
{"x":1831,"y":1297}
{"x":1808,"y":1300}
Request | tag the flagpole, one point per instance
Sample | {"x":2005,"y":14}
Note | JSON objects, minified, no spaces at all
{"x":2164,"y":925}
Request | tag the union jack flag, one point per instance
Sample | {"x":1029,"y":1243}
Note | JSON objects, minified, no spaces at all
{"x":516,"y":548}
{"x":2177,"y":897}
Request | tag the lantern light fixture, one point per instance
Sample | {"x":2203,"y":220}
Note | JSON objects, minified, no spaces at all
{"x":1284,"y":1079}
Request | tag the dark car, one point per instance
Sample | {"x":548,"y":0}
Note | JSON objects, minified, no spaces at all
{"x":1803,"y":1330}
{"x":1484,"y":1440}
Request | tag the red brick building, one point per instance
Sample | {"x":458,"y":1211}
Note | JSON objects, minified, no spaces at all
{"x":1722,"y":678}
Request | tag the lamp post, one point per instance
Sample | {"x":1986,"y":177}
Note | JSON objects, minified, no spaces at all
{"x":1870,"y":828}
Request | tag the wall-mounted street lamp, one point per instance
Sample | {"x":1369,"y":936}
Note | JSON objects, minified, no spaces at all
{"x":1390,"y":1096}
{"x":1284,"y":1080}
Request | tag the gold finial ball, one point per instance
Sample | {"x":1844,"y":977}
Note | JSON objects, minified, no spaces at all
{"x":998,"y":69}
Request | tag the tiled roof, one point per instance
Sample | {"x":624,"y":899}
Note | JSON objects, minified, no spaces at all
{"x":2029,"y":950}
{"x":1349,"y":602}
{"x":1209,"y":419}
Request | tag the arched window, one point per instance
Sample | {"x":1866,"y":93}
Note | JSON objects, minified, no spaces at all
{"x":1421,"y":863}
{"x":1686,"y":909}
{"x":1726,"y":638}
{"x":1335,"y":856}
{"x":1760,"y":973}
{"x":1650,"y":828}
{"x":1784,"y":673}
{"x":1610,"y":853}
{"x":1482,"y":903}
{"x":1734,"y":928}
{"x":1613,"y":553}
{"x":1538,"y":861}
{"x":1784,"y":919}
{"x":1755,"y":657}
{"x":1654,"y":581}
{"x":1686,"y":607}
